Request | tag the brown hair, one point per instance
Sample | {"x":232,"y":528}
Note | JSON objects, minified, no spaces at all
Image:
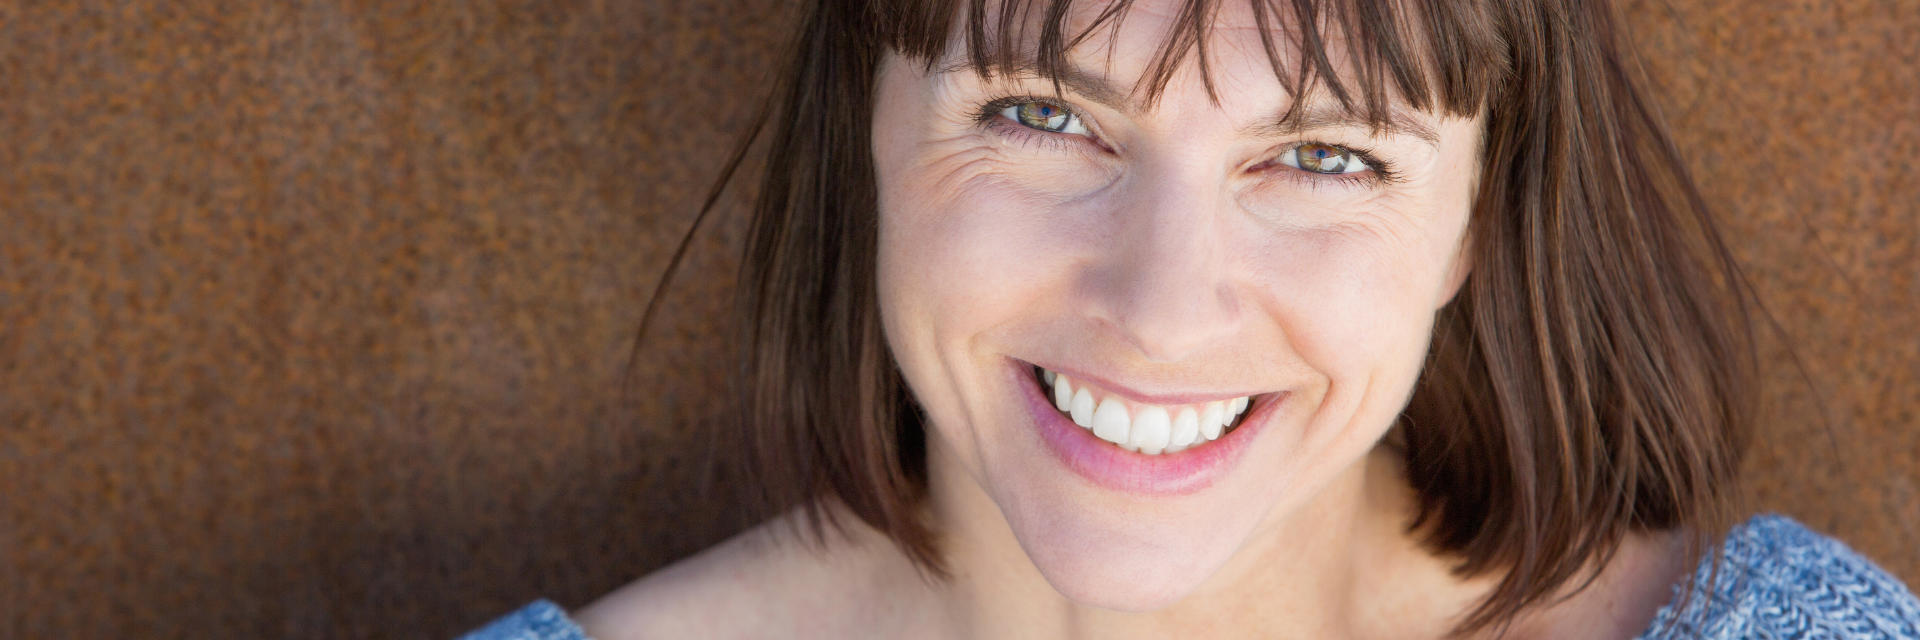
{"x":1593,"y":377}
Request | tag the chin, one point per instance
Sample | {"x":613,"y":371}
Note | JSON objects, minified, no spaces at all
{"x":1133,"y":532}
{"x":1134,"y":560}
{"x":1121,"y":581}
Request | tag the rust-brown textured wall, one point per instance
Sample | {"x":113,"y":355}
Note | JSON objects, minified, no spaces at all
{"x":313,"y":314}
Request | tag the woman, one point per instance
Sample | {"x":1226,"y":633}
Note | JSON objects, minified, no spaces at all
{"x":1188,"y":319}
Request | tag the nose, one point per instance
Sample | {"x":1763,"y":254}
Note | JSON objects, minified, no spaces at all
{"x":1162,"y":283}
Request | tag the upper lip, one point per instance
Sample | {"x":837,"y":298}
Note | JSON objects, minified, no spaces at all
{"x":1142,"y":397}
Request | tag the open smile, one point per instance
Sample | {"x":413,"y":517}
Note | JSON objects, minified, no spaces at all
{"x":1125,"y":443}
{"x":1151,"y":429}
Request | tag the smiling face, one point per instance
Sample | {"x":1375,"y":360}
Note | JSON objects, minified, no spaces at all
{"x":1170,"y":262}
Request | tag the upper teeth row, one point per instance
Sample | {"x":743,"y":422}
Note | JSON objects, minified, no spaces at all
{"x":1148,"y":429}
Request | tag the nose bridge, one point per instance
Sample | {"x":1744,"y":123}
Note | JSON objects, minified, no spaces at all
{"x":1166,"y":288}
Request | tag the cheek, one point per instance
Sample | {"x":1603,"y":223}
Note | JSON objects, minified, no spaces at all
{"x":962,"y":258}
{"x":1355,"y":300}
{"x":973,"y":236}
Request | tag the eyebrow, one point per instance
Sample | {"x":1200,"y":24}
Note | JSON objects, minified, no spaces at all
{"x":1080,"y":81}
{"x":1400,"y":122}
{"x":1323,"y":115}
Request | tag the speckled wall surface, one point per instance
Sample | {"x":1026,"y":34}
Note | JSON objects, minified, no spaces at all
{"x":313,"y":313}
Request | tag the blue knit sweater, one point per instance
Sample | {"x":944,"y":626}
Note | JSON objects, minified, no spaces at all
{"x":1776,"y":580}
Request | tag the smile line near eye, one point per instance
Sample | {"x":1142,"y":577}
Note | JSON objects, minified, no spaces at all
{"x":1058,"y":125}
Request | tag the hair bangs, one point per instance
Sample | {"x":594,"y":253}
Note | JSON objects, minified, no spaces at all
{"x":1367,"y":55}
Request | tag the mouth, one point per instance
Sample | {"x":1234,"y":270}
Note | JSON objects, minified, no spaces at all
{"x":1150,"y":429}
{"x":1147,"y":446}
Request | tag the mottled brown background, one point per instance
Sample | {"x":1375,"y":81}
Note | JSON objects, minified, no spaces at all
{"x":313,"y":313}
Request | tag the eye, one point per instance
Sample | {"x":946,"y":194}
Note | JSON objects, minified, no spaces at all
{"x":1045,"y":116}
{"x":1326,"y":159}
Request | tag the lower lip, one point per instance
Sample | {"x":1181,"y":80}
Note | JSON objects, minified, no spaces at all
{"x":1113,"y":468}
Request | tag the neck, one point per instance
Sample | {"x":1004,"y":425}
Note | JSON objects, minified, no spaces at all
{"x":1340,"y":566}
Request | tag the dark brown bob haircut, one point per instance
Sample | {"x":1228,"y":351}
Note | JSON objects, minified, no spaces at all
{"x":1592,"y":378}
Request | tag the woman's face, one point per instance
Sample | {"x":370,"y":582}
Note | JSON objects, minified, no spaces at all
{"x":1165,"y":260}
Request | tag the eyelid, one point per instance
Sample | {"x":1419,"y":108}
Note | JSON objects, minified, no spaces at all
{"x":995,"y":108}
{"x":1070,"y":120}
{"x":1378,"y":172}
{"x":1365,"y":163}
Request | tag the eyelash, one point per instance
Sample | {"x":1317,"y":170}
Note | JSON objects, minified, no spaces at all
{"x":989,"y":116}
{"x":1380,"y":172}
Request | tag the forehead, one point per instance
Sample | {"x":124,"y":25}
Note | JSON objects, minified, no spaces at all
{"x":1370,"y":58}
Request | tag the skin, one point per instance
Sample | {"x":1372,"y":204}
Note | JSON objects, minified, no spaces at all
{"x":1169,"y":252}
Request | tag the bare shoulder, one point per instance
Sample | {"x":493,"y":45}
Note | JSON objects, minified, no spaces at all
{"x":767,"y":582}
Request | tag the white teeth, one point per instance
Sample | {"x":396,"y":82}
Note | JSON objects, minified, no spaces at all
{"x":1186,"y":429}
{"x":1083,"y":408}
{"x":1110,"y":423}
{"x":1211,"y":420}
{"x":1062,"y":391}
{"x":1151,"y":430}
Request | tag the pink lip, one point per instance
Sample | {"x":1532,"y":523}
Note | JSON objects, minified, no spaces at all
{"x":1146,"y":398}
{"x":1113,"y":468}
